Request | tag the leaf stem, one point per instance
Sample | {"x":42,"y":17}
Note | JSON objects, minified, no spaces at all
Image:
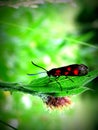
{"x":5,"y":86}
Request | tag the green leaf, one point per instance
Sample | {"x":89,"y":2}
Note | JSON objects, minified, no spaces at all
{"x":71,"y":85}
{"x":71,"y":92}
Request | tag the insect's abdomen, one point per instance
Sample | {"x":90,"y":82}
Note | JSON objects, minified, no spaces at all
{"x":71,"y":70}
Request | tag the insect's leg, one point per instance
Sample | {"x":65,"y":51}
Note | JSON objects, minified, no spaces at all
{"x":52,"y":80}
{"x":49,"y":80}
{"x":69,"y":78}
{"x":56,"y":79}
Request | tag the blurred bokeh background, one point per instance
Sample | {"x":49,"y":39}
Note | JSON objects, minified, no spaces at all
{"x":52,"y":34}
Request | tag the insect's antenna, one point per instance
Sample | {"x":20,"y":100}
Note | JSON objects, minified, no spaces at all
{"x":36,"y":73}
{"x":38,"y":66}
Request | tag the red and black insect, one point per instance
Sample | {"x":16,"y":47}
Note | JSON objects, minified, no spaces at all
{"x":70,"y":70}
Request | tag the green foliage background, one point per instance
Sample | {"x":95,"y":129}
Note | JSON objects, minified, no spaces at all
{"x":51,"y":35}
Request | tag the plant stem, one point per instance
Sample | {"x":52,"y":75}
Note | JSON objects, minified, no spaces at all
{"x":5,"y":86}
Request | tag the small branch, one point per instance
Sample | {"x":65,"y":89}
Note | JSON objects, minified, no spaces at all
{"x":15,"y":87}
{"x":8,"y":125}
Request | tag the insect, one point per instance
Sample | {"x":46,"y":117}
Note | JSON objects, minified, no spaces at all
{"x":70,"y":70}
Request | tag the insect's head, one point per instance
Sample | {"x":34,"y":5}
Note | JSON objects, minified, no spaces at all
{"x":83,"y":69}
{"x":49,"y":73}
